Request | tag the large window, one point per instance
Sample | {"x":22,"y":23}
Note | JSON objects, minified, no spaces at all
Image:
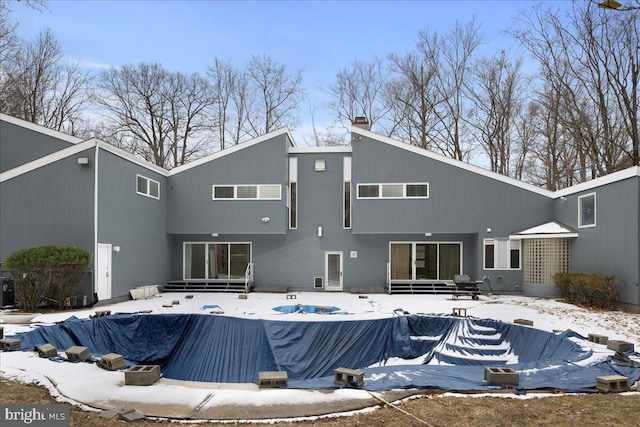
{"x":216,"y":261}
{"x":425,"y":261}
{"x":346,"y":194}
{"x":587,"y":210}
{"x":502,"y":254}
{"x":394,"y":191}
{"x":147,"y":187}
{"x":247,"y":192}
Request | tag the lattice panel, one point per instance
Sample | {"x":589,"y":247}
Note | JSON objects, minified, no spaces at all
{"x":543,"y":258}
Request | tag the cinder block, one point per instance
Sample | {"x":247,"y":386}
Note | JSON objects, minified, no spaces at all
{"x":523,"y":322}
{"x":612,"y":383}
{"x":598,"y":339}
{"x":292,"y":297}
{"x":459,"y":312}
{"x":243,"y":296}
{"x":620,"y":346}
{"x":113,"y":361}
{"x":272,"y":379}
{"x":131,"y":415}
{"x":348,"y":377}
{"x":142,"y":375}
{"x":46,"y":350}
{"x":6,"y":343}
{"x":78,"y":353}
{"x":502,"y":376}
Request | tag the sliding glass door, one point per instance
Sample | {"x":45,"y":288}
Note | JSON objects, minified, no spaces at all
{"x":221,"y":261}
{"x":425,"y":261}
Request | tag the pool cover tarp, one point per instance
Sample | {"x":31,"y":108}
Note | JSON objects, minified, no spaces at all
{"x":399,"y":352}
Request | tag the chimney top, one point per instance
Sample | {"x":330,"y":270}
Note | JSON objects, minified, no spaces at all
{"x":361,"y":122}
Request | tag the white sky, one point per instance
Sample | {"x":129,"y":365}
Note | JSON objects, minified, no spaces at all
{"x":319,"y":37}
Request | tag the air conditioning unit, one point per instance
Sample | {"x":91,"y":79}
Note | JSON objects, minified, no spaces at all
{"x":318,"y":282}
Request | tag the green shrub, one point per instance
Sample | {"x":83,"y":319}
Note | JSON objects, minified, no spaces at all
{"x":588,"y":289}
{"x":47,"y":272}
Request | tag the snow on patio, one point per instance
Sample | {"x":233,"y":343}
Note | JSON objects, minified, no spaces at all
{"x":89,"y":384}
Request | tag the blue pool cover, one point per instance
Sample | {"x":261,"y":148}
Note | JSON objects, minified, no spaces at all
{"x":415,"y":351}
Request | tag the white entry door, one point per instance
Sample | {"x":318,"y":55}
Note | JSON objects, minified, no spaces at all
{"x":333,"y":271}
{"x":103,"y":272}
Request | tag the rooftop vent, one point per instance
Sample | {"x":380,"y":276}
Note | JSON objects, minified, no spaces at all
{"x":361,"y":122}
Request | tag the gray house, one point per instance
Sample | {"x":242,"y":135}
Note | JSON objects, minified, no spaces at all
{"x":376,"y":216}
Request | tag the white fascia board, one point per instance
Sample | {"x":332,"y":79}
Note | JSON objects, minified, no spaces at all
{"x":631,"y":172}
{"x":453,"y":162}
{"x":320,"y":150}
{"x":130,"y":157}
{"x":233,"y":149}
{"x":46,"y":160}
{"x":40,"y":129}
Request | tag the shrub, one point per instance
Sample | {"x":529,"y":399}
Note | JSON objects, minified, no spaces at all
{"x":588,"y":289}
{"x":47,"y":272}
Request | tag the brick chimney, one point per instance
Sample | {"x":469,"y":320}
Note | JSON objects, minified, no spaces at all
{"x":361,"y":122}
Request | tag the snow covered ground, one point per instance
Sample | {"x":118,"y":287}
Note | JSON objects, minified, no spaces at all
{"x":87,"y":383}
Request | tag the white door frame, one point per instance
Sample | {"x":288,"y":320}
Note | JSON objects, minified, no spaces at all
{"x":327,"y":285}
{"x":103,"y":271}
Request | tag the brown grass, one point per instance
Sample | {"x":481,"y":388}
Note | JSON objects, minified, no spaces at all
{"x":434,"y":410}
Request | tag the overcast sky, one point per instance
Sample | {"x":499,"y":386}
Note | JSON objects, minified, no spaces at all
{"x":317,"y":36}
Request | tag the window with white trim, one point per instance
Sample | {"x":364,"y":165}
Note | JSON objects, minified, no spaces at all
{"x":502,"y":254}
{"x":587,"y":210}
{"x":346,"y":193}
{"x":418,"y":190}
{"x":147,"y":187}
{"x":293,"y":193}
{"x":247,"y":192}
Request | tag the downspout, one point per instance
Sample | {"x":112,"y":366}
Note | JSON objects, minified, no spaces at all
{"x":95,"y":219}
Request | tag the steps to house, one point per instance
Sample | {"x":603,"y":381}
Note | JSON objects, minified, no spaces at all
{"x":181,"y":286}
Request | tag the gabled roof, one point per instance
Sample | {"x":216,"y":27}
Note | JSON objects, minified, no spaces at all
{"x":40,"y":129}
{"x":548,"y":230}
{"x":234,"y":149}
{"x":453,"y":162}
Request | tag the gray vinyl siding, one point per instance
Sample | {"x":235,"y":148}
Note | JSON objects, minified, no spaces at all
{"x":611,"y":247}
{"x":192,"y":209}
{"x":20,"y":145}
{"x":52,"y":205}
{"x":135,"y":223}
{"x":459,"y":200}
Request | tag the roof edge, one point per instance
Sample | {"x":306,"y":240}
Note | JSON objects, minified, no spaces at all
{"x":633,"y":171}
{"x":233,"y":149}
{"x":40,"y":129}
{"x":453,"y":162}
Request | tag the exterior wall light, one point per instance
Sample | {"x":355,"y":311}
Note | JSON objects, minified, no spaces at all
{"x":266,"y":219}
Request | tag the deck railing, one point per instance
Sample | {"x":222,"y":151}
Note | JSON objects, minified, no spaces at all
{"x":248,"y":277}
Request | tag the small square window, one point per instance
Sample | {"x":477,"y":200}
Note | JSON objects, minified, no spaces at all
{"x":320,"y":165}
{"x":368,"y":190}
{"x":587,"y":210}
{"x":247,"y":192}
{"x":392,"y":190}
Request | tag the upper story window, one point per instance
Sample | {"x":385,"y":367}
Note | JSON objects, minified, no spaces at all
{"x":394,"y":191}
{"x":587,"y":210}
{"x":247,"y":192}
{"x":147,"y":187}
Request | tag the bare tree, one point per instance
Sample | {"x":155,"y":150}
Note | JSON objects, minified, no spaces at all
{"x":495,"y":87}
{"x":275,"y":95}
{"x":8,"y":38}
{"x":591,"y":61}
{"x":358,"y":91}
{"x":412,"y":98}
{"x":38,"y":86}
{"x":156,"y":114}
{"x":451,"y":56}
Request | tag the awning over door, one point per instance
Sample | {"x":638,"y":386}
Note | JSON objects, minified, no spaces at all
{"x":547,"y":230}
